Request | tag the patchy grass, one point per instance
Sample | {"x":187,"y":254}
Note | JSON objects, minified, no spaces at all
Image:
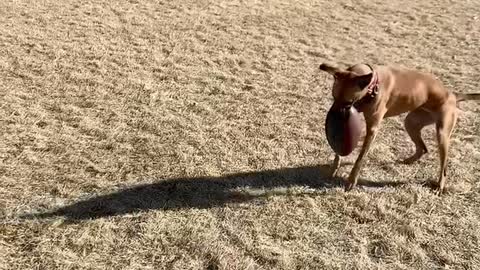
{"x":189,"y":135}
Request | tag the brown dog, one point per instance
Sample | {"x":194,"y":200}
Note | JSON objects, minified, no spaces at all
{"x":382,"y":92}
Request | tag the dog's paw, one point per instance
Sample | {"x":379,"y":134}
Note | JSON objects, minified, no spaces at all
{"x":439,"y":191}
{"x":333,"y":173}
{"x":410,"y":160}
{"x":349,"y":186}
{"x":415,"y":157}
{"x":436,"y":189}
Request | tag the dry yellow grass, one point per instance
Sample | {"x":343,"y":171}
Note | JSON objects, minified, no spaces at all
{"x":189,"y":135}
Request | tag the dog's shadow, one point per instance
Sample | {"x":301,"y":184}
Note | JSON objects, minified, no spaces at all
{"x":201,"y":192}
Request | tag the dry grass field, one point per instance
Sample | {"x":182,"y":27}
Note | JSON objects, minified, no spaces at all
{"x":189,"y":134}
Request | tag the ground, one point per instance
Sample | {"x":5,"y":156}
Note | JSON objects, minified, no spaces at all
{"x":190,"y":135}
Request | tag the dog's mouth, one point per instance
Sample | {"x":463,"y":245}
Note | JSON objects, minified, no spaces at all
{"x":343,"y":108}
{"x":343,"y":105}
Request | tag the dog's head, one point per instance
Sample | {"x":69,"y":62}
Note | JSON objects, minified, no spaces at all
{"x":349,"y":84}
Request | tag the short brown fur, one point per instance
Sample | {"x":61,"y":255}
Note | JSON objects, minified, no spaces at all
{"x":419,"y":94}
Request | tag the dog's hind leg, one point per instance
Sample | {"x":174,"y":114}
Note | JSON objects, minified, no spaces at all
{"x":445,"y":125}
{"x":414,"y":123}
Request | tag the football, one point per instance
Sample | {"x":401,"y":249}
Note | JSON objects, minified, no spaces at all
{"x":343,"y":127}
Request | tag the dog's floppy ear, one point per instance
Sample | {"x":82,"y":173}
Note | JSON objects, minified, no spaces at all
{"x":364,"y":80}
{"x":329,"y":68}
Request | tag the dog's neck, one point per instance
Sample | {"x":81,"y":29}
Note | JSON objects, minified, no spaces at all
{"x":372,"y":91}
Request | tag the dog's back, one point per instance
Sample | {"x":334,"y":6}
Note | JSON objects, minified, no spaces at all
{"x":408,"y":89}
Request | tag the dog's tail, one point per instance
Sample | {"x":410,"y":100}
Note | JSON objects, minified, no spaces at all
{"x":464,"y":97}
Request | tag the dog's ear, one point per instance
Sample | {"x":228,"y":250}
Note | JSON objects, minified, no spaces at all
{"x":364,"y":80}
{"x":329,"y":68}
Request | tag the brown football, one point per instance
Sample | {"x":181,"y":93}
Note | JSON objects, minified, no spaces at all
{"x":343,"y":127}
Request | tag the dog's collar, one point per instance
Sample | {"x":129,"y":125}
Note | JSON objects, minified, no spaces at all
{"x":372,"y":91}
{"x":372,"y":88}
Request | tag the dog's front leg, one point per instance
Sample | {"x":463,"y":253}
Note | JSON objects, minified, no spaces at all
{"x":335,"y":166}
{"x":372,"y":129}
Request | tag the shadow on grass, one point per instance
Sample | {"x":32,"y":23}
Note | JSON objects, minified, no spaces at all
{"x":201,"y":192}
